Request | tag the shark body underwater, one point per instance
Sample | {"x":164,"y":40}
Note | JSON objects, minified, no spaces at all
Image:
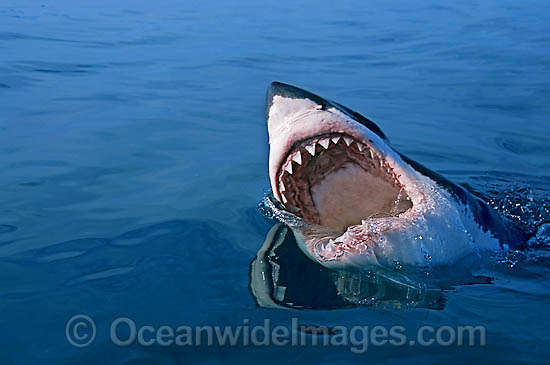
{"x":353,"y":200}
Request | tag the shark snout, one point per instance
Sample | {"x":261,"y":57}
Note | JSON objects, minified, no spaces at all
{"x":290,"y":92}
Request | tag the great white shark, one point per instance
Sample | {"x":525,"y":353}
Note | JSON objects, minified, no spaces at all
{"x":352,"y":199}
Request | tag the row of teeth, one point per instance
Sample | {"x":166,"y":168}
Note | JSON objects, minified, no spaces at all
{"x":326,"y":144}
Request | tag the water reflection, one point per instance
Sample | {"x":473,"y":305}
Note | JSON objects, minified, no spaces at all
{"x":282,"y":276}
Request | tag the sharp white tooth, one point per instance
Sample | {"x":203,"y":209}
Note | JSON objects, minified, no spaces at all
{"x":348,"y":140}
{"x":282,"y":186}
{"x":324,"y":142}
{"x":360,"y":146}
{"x":318,"y":107}
{"x":335,"y":139}
{"x":331,"y":241}
{"x":381,"y":163}
{"x":371,"y":155}
{"x":284,"y":198}
{"x":311,"y":149}
{"x":297,"y":158}
{"x":288,"y":168}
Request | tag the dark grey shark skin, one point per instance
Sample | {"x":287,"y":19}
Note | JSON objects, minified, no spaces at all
{"x":509,"y":234}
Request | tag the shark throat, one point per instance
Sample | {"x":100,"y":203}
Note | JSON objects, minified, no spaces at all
{"x":335,"y":181}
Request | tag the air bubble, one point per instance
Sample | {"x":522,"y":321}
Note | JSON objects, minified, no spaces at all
{"x":524,"y":205}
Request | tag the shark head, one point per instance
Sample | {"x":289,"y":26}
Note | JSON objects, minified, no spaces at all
{"x":351,"y":196}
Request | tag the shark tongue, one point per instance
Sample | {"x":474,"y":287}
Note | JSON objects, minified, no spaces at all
{"x":351,"y":194}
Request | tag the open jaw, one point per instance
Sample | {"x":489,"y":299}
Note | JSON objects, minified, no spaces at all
{"x":336,"y":181}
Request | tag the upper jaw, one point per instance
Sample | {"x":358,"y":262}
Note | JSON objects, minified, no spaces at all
{"x":288,"y":130}
{"x":308,"y":164}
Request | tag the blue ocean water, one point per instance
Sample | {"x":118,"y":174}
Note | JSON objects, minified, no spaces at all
{"x":133,"y":151}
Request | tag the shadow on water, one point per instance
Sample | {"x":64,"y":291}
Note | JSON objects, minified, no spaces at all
{"x":282,"y":276}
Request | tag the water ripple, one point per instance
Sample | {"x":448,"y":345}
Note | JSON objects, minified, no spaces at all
{"x":6,"y":228}
{"x":117,"y":271}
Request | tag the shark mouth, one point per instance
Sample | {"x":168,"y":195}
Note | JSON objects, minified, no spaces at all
{"x":336,"y":181}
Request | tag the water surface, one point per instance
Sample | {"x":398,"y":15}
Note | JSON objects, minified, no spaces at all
{"x":133,"y":151}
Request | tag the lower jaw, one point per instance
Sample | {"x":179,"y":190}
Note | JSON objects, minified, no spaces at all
{"x":353,"y":238}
